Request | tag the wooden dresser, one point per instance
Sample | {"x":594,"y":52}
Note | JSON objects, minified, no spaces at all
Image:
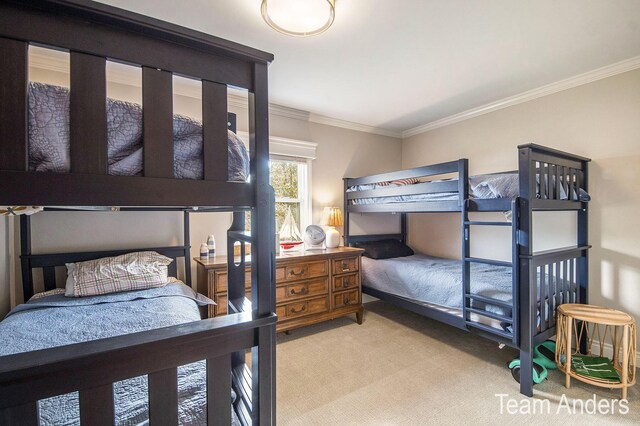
{"x":311,"y":286}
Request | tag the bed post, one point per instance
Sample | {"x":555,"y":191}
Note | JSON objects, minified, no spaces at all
{"x":25,"y":259}
{"x":346,"y":211}
{"x":528,"y":297}
{"x":263,"y":359}
{"x":583,"y":241}
{"x":187,"y":248}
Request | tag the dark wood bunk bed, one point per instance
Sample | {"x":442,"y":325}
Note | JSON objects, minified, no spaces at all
{"x":94,"y":33}
{"x":547,"y":180}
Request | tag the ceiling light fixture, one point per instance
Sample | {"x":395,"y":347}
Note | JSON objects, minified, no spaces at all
{"x":300,"y":18}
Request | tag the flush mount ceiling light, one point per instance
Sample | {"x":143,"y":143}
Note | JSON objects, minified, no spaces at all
{"x":299,"y":18}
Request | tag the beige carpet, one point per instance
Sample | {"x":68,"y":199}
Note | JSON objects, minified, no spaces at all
{"x":401,"y":368}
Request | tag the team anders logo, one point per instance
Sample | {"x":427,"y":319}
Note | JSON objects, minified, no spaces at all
{"x":532,"y":406}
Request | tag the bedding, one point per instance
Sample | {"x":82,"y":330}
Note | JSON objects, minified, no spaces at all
{"x":497,"y":185}
{"x":438,"y":281}
{"x":49,"y":138}
{"x":57,"y":320}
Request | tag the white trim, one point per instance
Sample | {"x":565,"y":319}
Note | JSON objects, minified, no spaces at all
{"x":336,"y":122}
{"x":286,"y":147}
{"x":549,"y":89}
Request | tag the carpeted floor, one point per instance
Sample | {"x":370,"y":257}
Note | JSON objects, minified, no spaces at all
{"x":401,"y":368}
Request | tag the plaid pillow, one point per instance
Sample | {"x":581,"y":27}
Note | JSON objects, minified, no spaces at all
{"x":131,"y":271}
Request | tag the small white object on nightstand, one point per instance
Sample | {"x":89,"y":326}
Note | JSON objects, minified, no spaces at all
{"x":332,"y":217}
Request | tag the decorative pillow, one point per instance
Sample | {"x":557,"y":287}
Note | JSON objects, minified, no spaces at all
{"x":385,"y":249}
{"x":131,"y":271}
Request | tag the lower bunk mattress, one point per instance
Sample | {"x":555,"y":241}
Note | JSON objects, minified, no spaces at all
{"x":437,"y":283}
{"x":57,"y":320}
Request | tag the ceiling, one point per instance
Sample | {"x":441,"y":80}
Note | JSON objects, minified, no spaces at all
{"x":398,"y":65}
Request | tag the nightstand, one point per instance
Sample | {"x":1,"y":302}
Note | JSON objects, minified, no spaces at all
{"x":311,"y":286}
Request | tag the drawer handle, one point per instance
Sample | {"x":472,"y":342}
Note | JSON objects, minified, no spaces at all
{"x":293,"y":310}
{"x":345,"y":283}
{"x":345,"y":266}
{"x":303,"y":290}
{"x":345,"y":300}
{"x":302,"y":272}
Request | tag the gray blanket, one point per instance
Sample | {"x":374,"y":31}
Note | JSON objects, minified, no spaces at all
{"x":57,"y":320}
{"x":436,"y":280}
{"x":49,"y":138}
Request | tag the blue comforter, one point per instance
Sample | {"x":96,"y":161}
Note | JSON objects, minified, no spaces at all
{"x":57,"y":320}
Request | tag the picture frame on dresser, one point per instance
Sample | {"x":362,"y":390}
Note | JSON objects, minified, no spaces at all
{"x":311,"y":286}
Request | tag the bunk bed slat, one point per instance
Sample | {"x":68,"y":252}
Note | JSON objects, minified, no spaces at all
{"x":13,"y":91}
{"x":88,"y":114}
{"x":21,"y":415}
{"x":49,"y":277}
{"x":163,"y":397}
{"x":542,"y":273}
{"x":157,"y":118}
{"x":219,"y":390}
{"x":96,"y":406}
{"x":214,"y":131}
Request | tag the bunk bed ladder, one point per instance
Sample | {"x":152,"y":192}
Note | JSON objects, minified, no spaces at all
{"x":471,"y":300}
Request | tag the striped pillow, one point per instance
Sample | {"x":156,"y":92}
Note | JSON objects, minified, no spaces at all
{"x":47,"y":293}
{"x":399,"y":182}
{"x":131,"y":271}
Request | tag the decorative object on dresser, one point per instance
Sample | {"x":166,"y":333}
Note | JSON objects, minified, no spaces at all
{"x":310,"y":287}
{"x":332,"y":217}
{"x":314,"y":238}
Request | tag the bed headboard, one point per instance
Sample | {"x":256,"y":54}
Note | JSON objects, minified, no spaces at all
{"x":48,"y":262}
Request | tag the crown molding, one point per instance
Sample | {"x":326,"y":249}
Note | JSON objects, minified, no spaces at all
{"x":549,"y":89}
{"x":336,"y":122}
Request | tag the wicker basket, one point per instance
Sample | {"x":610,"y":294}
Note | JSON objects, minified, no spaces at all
{"x":599,"y":328}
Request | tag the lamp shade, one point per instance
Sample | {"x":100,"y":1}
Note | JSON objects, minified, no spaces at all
{"x":332,"y":216}
{"x":299,"y":17}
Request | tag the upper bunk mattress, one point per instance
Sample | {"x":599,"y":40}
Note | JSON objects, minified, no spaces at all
{"x":57,"y":320}
{"x":49,"y":138}
{"x":490,"y":186}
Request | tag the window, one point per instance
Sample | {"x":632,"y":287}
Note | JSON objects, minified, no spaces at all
{"x":290,"y":181}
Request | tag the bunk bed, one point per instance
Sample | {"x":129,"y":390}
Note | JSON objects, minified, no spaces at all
{"x":511,"y":302}
{"x":93,"y":33}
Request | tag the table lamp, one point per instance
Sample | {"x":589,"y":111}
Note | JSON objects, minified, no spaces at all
{"x":332,"y":217}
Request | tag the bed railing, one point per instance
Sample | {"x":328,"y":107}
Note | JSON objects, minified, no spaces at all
{"x":94,"y":33}
{"x":92,"y":367}
{"x":456,"y":188}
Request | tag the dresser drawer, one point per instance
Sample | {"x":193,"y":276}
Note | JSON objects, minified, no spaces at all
{"x":347,"y":298}
{"x":300,"y":290}
{"x":221,"y":280}
{"x":345,"y":282}
{"x":221,"y":303}
{"x":347,"y":264}
{"x":299,"y":309}
{"x":301,"y":271}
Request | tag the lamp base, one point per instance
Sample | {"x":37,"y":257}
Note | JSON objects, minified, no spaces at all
{"x":332,"y":237}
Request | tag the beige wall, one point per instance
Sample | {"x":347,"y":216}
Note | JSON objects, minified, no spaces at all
{"x":600,"y":120}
